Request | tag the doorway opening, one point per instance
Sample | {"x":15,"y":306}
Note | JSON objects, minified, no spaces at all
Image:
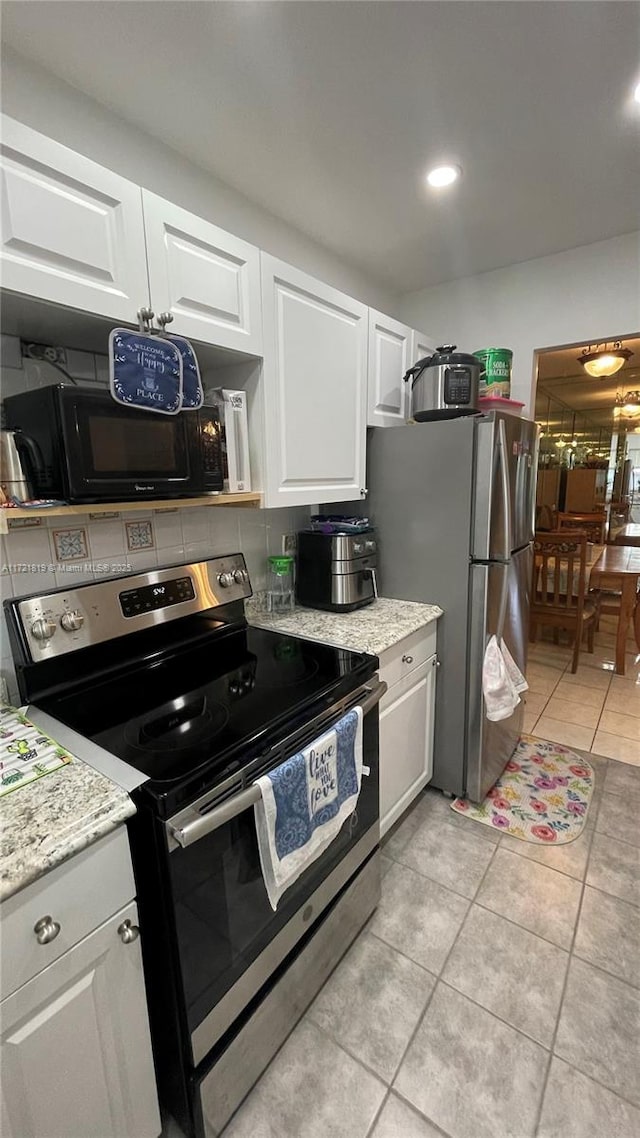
{"x":589,"y":454}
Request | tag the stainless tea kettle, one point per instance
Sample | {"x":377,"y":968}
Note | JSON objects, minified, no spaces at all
{"x":14,"y":471}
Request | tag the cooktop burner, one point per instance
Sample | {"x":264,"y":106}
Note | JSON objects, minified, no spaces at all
{"x":192,"y":710}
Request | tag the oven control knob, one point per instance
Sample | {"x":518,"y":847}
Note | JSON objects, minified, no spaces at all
{"x":240,"y":576}
{"x":72,"y":620}
{"x":42,"y":628}
{"x":225,"y":579}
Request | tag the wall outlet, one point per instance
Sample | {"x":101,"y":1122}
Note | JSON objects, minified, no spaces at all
{"x":290,"y":543}
{"x":51,"y":354}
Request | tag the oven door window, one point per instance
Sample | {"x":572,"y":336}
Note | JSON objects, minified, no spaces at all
{"x":224,"y":919}
{"x":120,"y":444}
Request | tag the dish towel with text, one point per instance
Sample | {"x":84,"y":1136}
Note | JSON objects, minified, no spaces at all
{"x":305,"y":801}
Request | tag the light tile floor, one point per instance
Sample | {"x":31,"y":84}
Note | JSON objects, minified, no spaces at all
{"x":495,"y":993}
{"x":594,"y":709}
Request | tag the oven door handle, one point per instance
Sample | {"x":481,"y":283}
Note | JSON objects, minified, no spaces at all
{"x":192,"y":831}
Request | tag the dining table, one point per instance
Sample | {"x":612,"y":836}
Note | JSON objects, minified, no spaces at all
{"x":628,"y":535}
{"x":617,"y":570}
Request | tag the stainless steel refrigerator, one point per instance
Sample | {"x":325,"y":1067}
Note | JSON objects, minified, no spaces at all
{"x":453,"y":503}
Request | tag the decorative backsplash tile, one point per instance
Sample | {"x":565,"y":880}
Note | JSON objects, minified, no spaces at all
{"x":139,"y":535}
{"x":71,"y":544}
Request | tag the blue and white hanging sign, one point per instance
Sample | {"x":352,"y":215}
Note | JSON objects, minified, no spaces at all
{"x":145,"y":371}
{"x":192,"y":393}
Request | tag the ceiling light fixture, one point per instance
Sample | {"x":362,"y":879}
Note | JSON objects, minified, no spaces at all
{"x":443,"y":176}
{"x":601,"y":362}
{"x":636,"y":94}
{"x":628,"y":404}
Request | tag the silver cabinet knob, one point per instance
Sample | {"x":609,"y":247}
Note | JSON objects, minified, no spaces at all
{"x":46,"y":930}
{"x":43,"y":628}
{"x":407,"y":659}
{"x":72,"y":620}
{"x":128,"y":932}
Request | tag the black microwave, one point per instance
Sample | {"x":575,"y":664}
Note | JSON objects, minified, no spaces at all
{"x":82,"y":446}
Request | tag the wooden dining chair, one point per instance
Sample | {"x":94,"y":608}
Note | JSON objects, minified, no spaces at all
{"x":594,"y":524}
{"x":546,"y":518}
{"x":559,"y":588}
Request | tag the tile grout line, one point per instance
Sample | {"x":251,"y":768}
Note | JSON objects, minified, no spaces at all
{"x":343,"y":1046}
{"x":438,"y":980}
{"x":604,"y":703}
{"x":605,"y":971}
{"x":379,"y":1111}
{"x":553,"y":943}
{"x":563,"y":994}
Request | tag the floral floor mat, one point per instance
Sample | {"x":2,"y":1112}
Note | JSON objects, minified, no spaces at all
{"x":543,"y":794}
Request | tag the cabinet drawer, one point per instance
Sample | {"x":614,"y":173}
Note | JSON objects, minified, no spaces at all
{"x":78,"y":895}
{"x":408,"y":654}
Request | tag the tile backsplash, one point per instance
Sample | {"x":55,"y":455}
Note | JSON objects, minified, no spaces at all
{"x":52,"y":554}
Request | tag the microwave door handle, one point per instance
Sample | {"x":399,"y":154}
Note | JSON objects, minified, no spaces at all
{"x":191,"y":832}
{"x":29,"y":446}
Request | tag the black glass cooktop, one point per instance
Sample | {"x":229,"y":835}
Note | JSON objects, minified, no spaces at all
{"x":177,"y":717}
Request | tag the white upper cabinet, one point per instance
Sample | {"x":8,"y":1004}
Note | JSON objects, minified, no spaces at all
{"x":315,"y":378}
{"x":389,"y":358}
{"x":208,"y":279}
{"x":421,"y":346}
{"x":72,"y":232}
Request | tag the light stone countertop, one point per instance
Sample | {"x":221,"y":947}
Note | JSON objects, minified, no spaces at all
{"x":47,"y":821}
{"x":373,"y":629}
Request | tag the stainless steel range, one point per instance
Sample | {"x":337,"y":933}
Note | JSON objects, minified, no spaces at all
{"x":157,"y":680}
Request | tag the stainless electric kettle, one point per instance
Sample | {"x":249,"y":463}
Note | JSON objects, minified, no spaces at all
{"x":14,"y":471}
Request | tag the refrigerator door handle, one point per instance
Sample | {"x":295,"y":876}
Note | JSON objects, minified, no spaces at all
{"x":504,"y":596}
{"x":505,"y":484}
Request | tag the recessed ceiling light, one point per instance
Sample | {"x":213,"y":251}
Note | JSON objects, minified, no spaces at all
{"x":636,"y":94}
{"x":443,"y":176}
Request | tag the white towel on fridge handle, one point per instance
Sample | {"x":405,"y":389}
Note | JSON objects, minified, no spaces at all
{"x":502,"y":681}
{"x":515,"y":675}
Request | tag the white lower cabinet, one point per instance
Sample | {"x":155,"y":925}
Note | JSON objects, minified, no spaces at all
{"x":75,"y":1047}
{"x":406,"y":738}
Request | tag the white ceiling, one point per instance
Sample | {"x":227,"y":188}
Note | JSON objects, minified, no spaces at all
{"x":328,"y":113}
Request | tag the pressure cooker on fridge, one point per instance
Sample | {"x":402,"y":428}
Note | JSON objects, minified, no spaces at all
{"x":444,"y":385}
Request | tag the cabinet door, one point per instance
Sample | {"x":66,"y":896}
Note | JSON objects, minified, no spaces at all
{"x":75,"y":1045}
{"x":421,"y":346}
{"x":406,"y":741}
{"x":389,"y":350}
{"x":208,"y":279}
{"x":315,"y":355}
{"x":72,"y":232}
